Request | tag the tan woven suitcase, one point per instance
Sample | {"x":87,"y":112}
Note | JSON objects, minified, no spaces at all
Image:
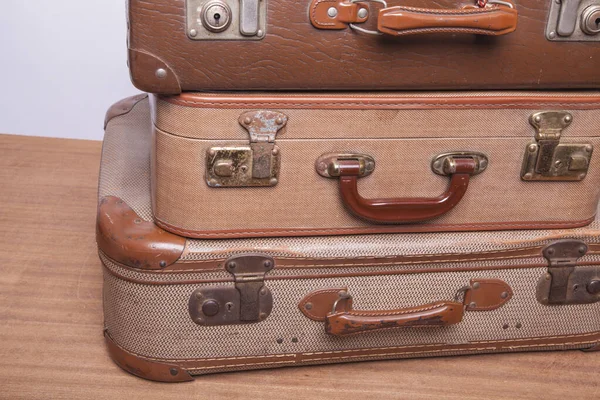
{"x":256,"y":165}
{"x":177,"y":307}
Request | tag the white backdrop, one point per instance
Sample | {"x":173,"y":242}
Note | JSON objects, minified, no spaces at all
{"x":62,"y":64}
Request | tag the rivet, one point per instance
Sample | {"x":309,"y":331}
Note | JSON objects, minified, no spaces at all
{"x":528,"y":176}
{"x":582,"y":249}
{"x":231,"y":265}
{"x":518,"y":325}
{"x":588,"y":148}
{"x":162,"y":264}
{"x":174,"y":371}
{"x":263,"y":291}
{"x":533,"y":148}
{"x":294,"y":340}
{"x":557,"y":163}
{"x":137,"y":221}
{"x":279,"y":121}
{"x":550,"y":251}
{"x":199,"y":320}
{"x":581,"y":176}
{"x":161,"y":73}
{"x":322,"y":166}
{"x":280,"y":340}
{"x":472,"y":304}
{"x":593,"y":287}
{"x":362,"y":13}
{"x":568,"y":118}
{"x":476,"y":285}
{"x":244,"y":168}
{"x":212,"y":152}
{"x":505,"y":326}
{"x":332,"y":12}
{"x":308,"y":306}
{"x":504,"y":295}
{"x":212,"y":182}
{"x":193,"y":33}
{"x":370,"y":166}
{"x":275,"y":151}
{"x":247,"y":120}
{"x":437,"y":164}
{"x":260,"y":33}
{"x":198,"y":295}
{"x":538,"y":118}
{"x":548,"y":277}
{"x":268,"y":264}
{"x":263,"y":315}
{"x":273,"y":181}
{"x":552,"y":35}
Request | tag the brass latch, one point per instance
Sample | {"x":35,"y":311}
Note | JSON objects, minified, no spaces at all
{"x":254,"y":165}
{"x":550,"y":160}
{"x":565,"y":283}
{"x":249,"y":300}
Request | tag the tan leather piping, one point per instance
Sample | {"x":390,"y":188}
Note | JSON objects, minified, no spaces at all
{"x":123,"y":107}
{"x":370,"y":102}
{"x":206,"y":365}
{"x":416,"y":228}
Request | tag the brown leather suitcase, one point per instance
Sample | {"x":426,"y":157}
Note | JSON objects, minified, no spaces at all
{"x":181,"y":45}
{"x":177,"y":307}
{"x":254,"y":165}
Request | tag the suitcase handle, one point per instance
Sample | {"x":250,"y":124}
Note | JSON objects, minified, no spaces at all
{"x":344,"y":321}
{"x":403,"y":210}
{"x":489,"y":17}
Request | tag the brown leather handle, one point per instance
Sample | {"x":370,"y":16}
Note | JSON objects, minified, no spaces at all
{"x":402,"y":210}
{"x":491,"y":21}
{"x":347,"y":322}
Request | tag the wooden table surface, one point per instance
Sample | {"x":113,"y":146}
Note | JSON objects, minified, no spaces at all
{"x":51,"y":343}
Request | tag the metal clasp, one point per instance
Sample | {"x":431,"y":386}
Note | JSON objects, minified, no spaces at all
{"x":327,"y":165}
{"x":445,"y":164}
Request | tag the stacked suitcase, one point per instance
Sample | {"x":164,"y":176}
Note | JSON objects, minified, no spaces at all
{"x":254,"y":213}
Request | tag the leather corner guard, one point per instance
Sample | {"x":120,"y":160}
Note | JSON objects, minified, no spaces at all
{"x":487,"y":294}
{"x":144,"y":368}
{"x":151,"y":74}
{"x":123,"y":236}
{"x":123,"y":107}
{"x":334,"y":307}
{"x":494,"y":20}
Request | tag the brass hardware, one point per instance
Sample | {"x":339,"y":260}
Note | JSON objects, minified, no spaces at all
{"x":444,"y":164}
{"x":327,"y":165}
{"x":550,"y":160}
{"x":573,"y":21}
{"x":226,"y":19}
{"x":253,"y":165}
{"x":248,"y":301}
{"x":565,"y":283}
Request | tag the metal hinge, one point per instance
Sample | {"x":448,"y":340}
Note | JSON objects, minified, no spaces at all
{"x":254,"y":165}
{"x":249,"y":300}
{"x":565,"y":283}
{"x":548,"y":158}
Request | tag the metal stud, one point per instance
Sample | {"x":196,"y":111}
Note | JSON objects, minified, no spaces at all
{"x":280,"y":340}
{"x":332,"y":12}
{"x":162,"y":264}
{"x":362,"y":13}
{"x":532,"y":148}
{"x":260,"y":33}
{"x":193,"y":33}
{"x":247,"y":120}
{"x":174,"y":371}
{"x":568,"y":118}
{"x":274,"y":181}
{"x":538,"y":118}
{"x":161,"y":73}
{"x":504,"y":295}
{"x":552,"y":35}
{"x":308,"y":306}
{"x":472,"y":304}
{"x":476,"y":285}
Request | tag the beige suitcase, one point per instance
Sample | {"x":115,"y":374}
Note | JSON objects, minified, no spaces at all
{"x":177,"y":307}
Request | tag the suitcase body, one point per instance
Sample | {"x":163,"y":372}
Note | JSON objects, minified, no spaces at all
{"x":297,"y":45}
{"x":177,"y":307}
{"x":244,"y":165}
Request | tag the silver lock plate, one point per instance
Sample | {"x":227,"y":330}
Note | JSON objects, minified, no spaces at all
{"x":236,"y":19}
{"x":566,"y":16}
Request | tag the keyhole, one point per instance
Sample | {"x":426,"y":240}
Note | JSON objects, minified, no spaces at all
{"x":597,"y":22}
{"x":217,"y":17}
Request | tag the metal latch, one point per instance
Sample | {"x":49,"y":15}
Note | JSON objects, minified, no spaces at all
{"x":565,"y":283}
{"x":574,"y":20}
{"x":226,"y":19}
{"x":246,"y":302}
{"x":550,"y":160}
{"x":254,"y":165}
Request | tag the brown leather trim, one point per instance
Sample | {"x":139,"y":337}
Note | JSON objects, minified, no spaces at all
{"x":122,"y":107}
{"x":487,"y":294}
{"x":144,"y":367}
{"x":415,"y":228}
{"x":317,"y":304}
{"x":346,"y":13}
{"x":125,"y":237}
{"x":370,"y":102}
{"x":207,"y":365}
{"x":143,"y":69}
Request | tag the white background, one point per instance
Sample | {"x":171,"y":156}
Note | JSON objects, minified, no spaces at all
{"x":62,"y":64}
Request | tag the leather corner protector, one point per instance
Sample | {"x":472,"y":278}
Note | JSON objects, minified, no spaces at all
{"x":123,"y":107}
{"x":126,"y":238}
{"x":151,"y":74}
{"x":316,"y":305}
{"x":346,"y":13}
{"x":151,"y":370}
{"x":487,"y":294}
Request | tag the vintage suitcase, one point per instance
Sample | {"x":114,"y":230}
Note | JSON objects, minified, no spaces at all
{"x":187,"y":45}
{"x":255,"y":165}
{"x":177,"y":307}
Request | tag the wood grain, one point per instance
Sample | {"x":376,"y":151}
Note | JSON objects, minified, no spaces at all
{"x":51,"y":343}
